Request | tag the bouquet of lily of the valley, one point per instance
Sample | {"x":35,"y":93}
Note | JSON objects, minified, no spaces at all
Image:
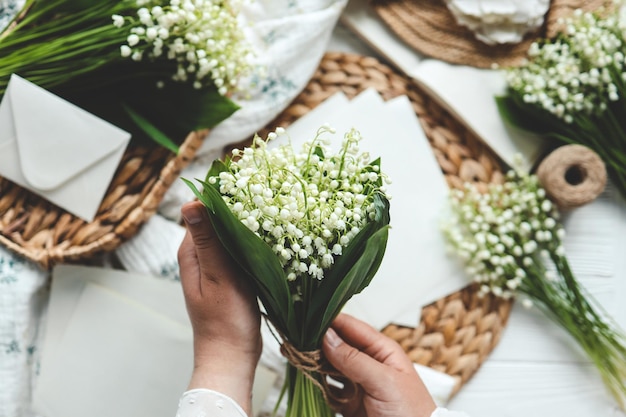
{"x":511,"y":242}
{"x":309,"y":229}
{"x":157,"y":68}
{"x":573,"y":88}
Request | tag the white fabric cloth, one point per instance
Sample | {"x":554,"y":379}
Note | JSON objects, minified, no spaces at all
{"x":153,"y":250}
{"x":8,"y":9}
{"x":205,"y":402}
{"x":23,"y":299}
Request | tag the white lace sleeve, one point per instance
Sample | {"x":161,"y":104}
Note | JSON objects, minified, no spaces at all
{"x":207,"y":403}
{"x":443,"y":412}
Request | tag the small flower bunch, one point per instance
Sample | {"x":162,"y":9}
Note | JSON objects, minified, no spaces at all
{"x":510,"y":241}
{"x":310,"y":229}
{"x":572,"y":88}
{"x":111,"y":57}
{"x":573,"y":74}
{"x":201,"y":36}
{"x":502,"y":233}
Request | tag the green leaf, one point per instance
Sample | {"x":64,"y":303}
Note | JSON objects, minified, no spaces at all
{"x":216,"y":167}
{"x":181,"y":106}
{"x":340,"y":273}
{"x":151,"y":130}
{"x":78,"y":5}
{"x":525,"y":116}
{"x":358,"y":277}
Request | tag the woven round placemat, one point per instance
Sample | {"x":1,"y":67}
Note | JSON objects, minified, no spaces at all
{"x":47,"y":234}
{"x":429,"y":28}
{"x":454,"y":334}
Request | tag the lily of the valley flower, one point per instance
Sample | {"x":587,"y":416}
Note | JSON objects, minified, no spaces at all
{"x":578,"y":72}
{"x":306,"y":205}
{"x":504,"y":232}
{"x":201,"y":36}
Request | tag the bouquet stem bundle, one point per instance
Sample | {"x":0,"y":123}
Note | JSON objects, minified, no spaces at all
{"x":305,"y":396}
{"x":511,"y":243}
{"x":309,"y":229}
{"x":573,"y":89}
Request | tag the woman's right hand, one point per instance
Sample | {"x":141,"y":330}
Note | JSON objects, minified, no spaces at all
{"x":390,"y":384}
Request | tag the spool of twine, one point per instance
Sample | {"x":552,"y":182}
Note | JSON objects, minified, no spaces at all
{"x":572,"y":175}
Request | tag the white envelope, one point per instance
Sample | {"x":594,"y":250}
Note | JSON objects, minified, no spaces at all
{"x":56,"y":149}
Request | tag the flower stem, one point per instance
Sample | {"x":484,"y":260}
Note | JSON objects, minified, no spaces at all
{"x":565,"y":303}
{"x":305,"y":399}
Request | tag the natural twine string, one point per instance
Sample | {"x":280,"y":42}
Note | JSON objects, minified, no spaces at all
{"x":572,"y":175}
{"x":313,"y":362}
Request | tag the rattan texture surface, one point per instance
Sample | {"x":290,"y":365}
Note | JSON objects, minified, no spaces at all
{"x":47,"y":234}
{"x":428,"y":27}
{"x":455,"y":334}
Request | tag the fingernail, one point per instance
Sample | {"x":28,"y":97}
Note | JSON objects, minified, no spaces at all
{"x":332,"y":338}
{"x":192,"y":215}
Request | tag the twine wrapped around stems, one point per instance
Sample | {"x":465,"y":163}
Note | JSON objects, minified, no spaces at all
{"x":312,"y":362}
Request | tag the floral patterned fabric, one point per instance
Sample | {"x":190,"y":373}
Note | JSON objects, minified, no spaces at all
{"x":23,"y":296}
{"x":8,"y":9}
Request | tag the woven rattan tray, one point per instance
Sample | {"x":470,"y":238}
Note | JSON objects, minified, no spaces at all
{"x":455,"y":334}
{"x":428,"y":27}
{"x":46,"y":234}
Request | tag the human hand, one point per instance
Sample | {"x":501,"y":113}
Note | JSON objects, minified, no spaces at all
{"x":390,"y":385}
{"x":223,"y":311}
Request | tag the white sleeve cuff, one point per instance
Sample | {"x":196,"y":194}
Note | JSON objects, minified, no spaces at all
{"x":443,"y":412}
{"x":203,"y":402}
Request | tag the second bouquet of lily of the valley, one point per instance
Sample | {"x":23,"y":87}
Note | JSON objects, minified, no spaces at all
{"x":511,"y":242}
{"x":309,"y":229}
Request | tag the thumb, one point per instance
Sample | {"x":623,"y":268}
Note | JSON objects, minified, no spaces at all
{"x":214,"y":262}
{"x":199,"y":225}
{"x":352,"y":363}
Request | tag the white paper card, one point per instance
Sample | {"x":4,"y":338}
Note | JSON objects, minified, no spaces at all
{"x":69,"y":281}
{"x":143,"y":299}
{"x":116,"y":358}
{"x":470,"y":94}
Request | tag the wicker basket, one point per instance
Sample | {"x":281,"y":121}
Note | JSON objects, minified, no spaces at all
{"x":428,"y":27}
{"x":47,"y":234}
{"x":455,"y":334}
